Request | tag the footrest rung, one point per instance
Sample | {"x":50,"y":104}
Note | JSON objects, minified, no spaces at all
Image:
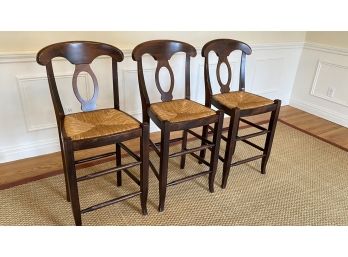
{"x":129,"y":151}
{"x":154,"y":170}
{"x":173,"y":140}
{"x":252,"y":144}
{"x":96,"y":157}
{"x":175,"y":182}
{"x":247,"y":160}
{"x":252,"y":124}
{"x":191,"y":150}
{"x":155,"y":147}
{"x":199,"y":136}
{"x":107,"y":171}
{"x":252,"y":135}
{"x":221,"y":158}
{"x":223,"y":137}
{"x":107,"y":203}
{"x":132,"y":176}
{"x":200,"y":159}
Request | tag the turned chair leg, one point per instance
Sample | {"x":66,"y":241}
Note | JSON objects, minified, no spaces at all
{"x":269,"y":139}
{"x":118,"y":163}
{"x":205,"y":136}
{"x":144,"y":167}
{"x":71,"y":171}
{"x":183,"y":147}
{"x":230,"y":145}
{"x":163,"y":172}
{"x":215,"y":150}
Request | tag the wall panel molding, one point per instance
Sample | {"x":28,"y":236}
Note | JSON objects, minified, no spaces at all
{"x":332,"y":81}
{"x":322,"y":70}
{"x":28,"y":87}
{"x":34,"y":132}
{"x":325,"y":48}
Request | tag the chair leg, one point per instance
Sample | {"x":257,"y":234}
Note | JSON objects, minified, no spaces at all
{"x":118,"y":163}
{"x":183,"y":147}
{"x":269,"y":139}
{"x":230,"y":145}
{"x":205,"y":131}
{"x":205,"y":136}
{"x":65,"y":172}
{"x":215,"y":150}
{"x":163,"y":172}
{"x":144,"y":167}
{"x":71,"y":171}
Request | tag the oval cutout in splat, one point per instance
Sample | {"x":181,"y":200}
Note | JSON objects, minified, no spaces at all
{"x":223,"y":73}
{"x":164,"y":79}
{"x":89,"y":104}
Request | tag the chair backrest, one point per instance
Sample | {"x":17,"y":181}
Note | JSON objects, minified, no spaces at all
{"x":162,"y":51}
{"x":223,"y":48}
{"x":81,"y":54}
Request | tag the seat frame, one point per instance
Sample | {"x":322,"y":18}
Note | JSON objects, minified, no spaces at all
{"x":162,"y":51}
{"x":223,"y":48}
{"x":81,"y":54}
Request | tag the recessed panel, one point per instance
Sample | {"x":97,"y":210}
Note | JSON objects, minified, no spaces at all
{"x":331,"y":82}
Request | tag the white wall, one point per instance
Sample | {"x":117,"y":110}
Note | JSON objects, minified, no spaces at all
{"x":34,"y":40}
{"x":328,"y":38}
{"x":321,"y":85}
{"x":28,"y":122}
{"x":311,"y":76}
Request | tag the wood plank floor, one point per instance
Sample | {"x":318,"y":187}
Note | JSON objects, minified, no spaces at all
{"x":23,"y":171}
{"x":325,"y":130}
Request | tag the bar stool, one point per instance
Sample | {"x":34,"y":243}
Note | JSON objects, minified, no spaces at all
{"x":237,"y":104}
{"x":94,"y":128}
{"x":175,"y":115}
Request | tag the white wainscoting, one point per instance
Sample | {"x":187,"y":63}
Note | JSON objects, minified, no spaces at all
{"x":27,"y":118}
{"x":321,"y":85}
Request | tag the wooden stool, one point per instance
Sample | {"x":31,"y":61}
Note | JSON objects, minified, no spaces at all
{"x":94,"y":128}
{"x":173,"y":115}
{"x":237,"y":104}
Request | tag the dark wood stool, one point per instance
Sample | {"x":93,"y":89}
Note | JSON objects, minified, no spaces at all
{"x":237,"y":104}
{"x":94,"y":128}
{"x":173,"y":115}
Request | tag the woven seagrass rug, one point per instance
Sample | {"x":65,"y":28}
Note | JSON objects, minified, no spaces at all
{"x":306,"y":184}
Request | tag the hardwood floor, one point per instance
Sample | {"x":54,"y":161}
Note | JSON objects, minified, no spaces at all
{"x":325,"y":130}
{"x":23,"y":171}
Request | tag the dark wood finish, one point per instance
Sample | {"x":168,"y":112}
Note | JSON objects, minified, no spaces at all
{"x":269,"y":139}
{"x":183,"y":148}
{"x":223,"y":48}
{"x":81,"y":54}
{"x":118,"y":163}
{"x":109,"y":202}
{"x":35,"y":168}
{"x":162,"y":51}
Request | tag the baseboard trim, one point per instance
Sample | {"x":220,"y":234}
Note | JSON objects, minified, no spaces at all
{"x":320,"y":112}
{"x":8,"y":154}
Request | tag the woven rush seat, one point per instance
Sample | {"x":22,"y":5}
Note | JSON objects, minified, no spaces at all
{"x":180,"y":110}
{"x":242,"y":100}
{"x":97,"y":123}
